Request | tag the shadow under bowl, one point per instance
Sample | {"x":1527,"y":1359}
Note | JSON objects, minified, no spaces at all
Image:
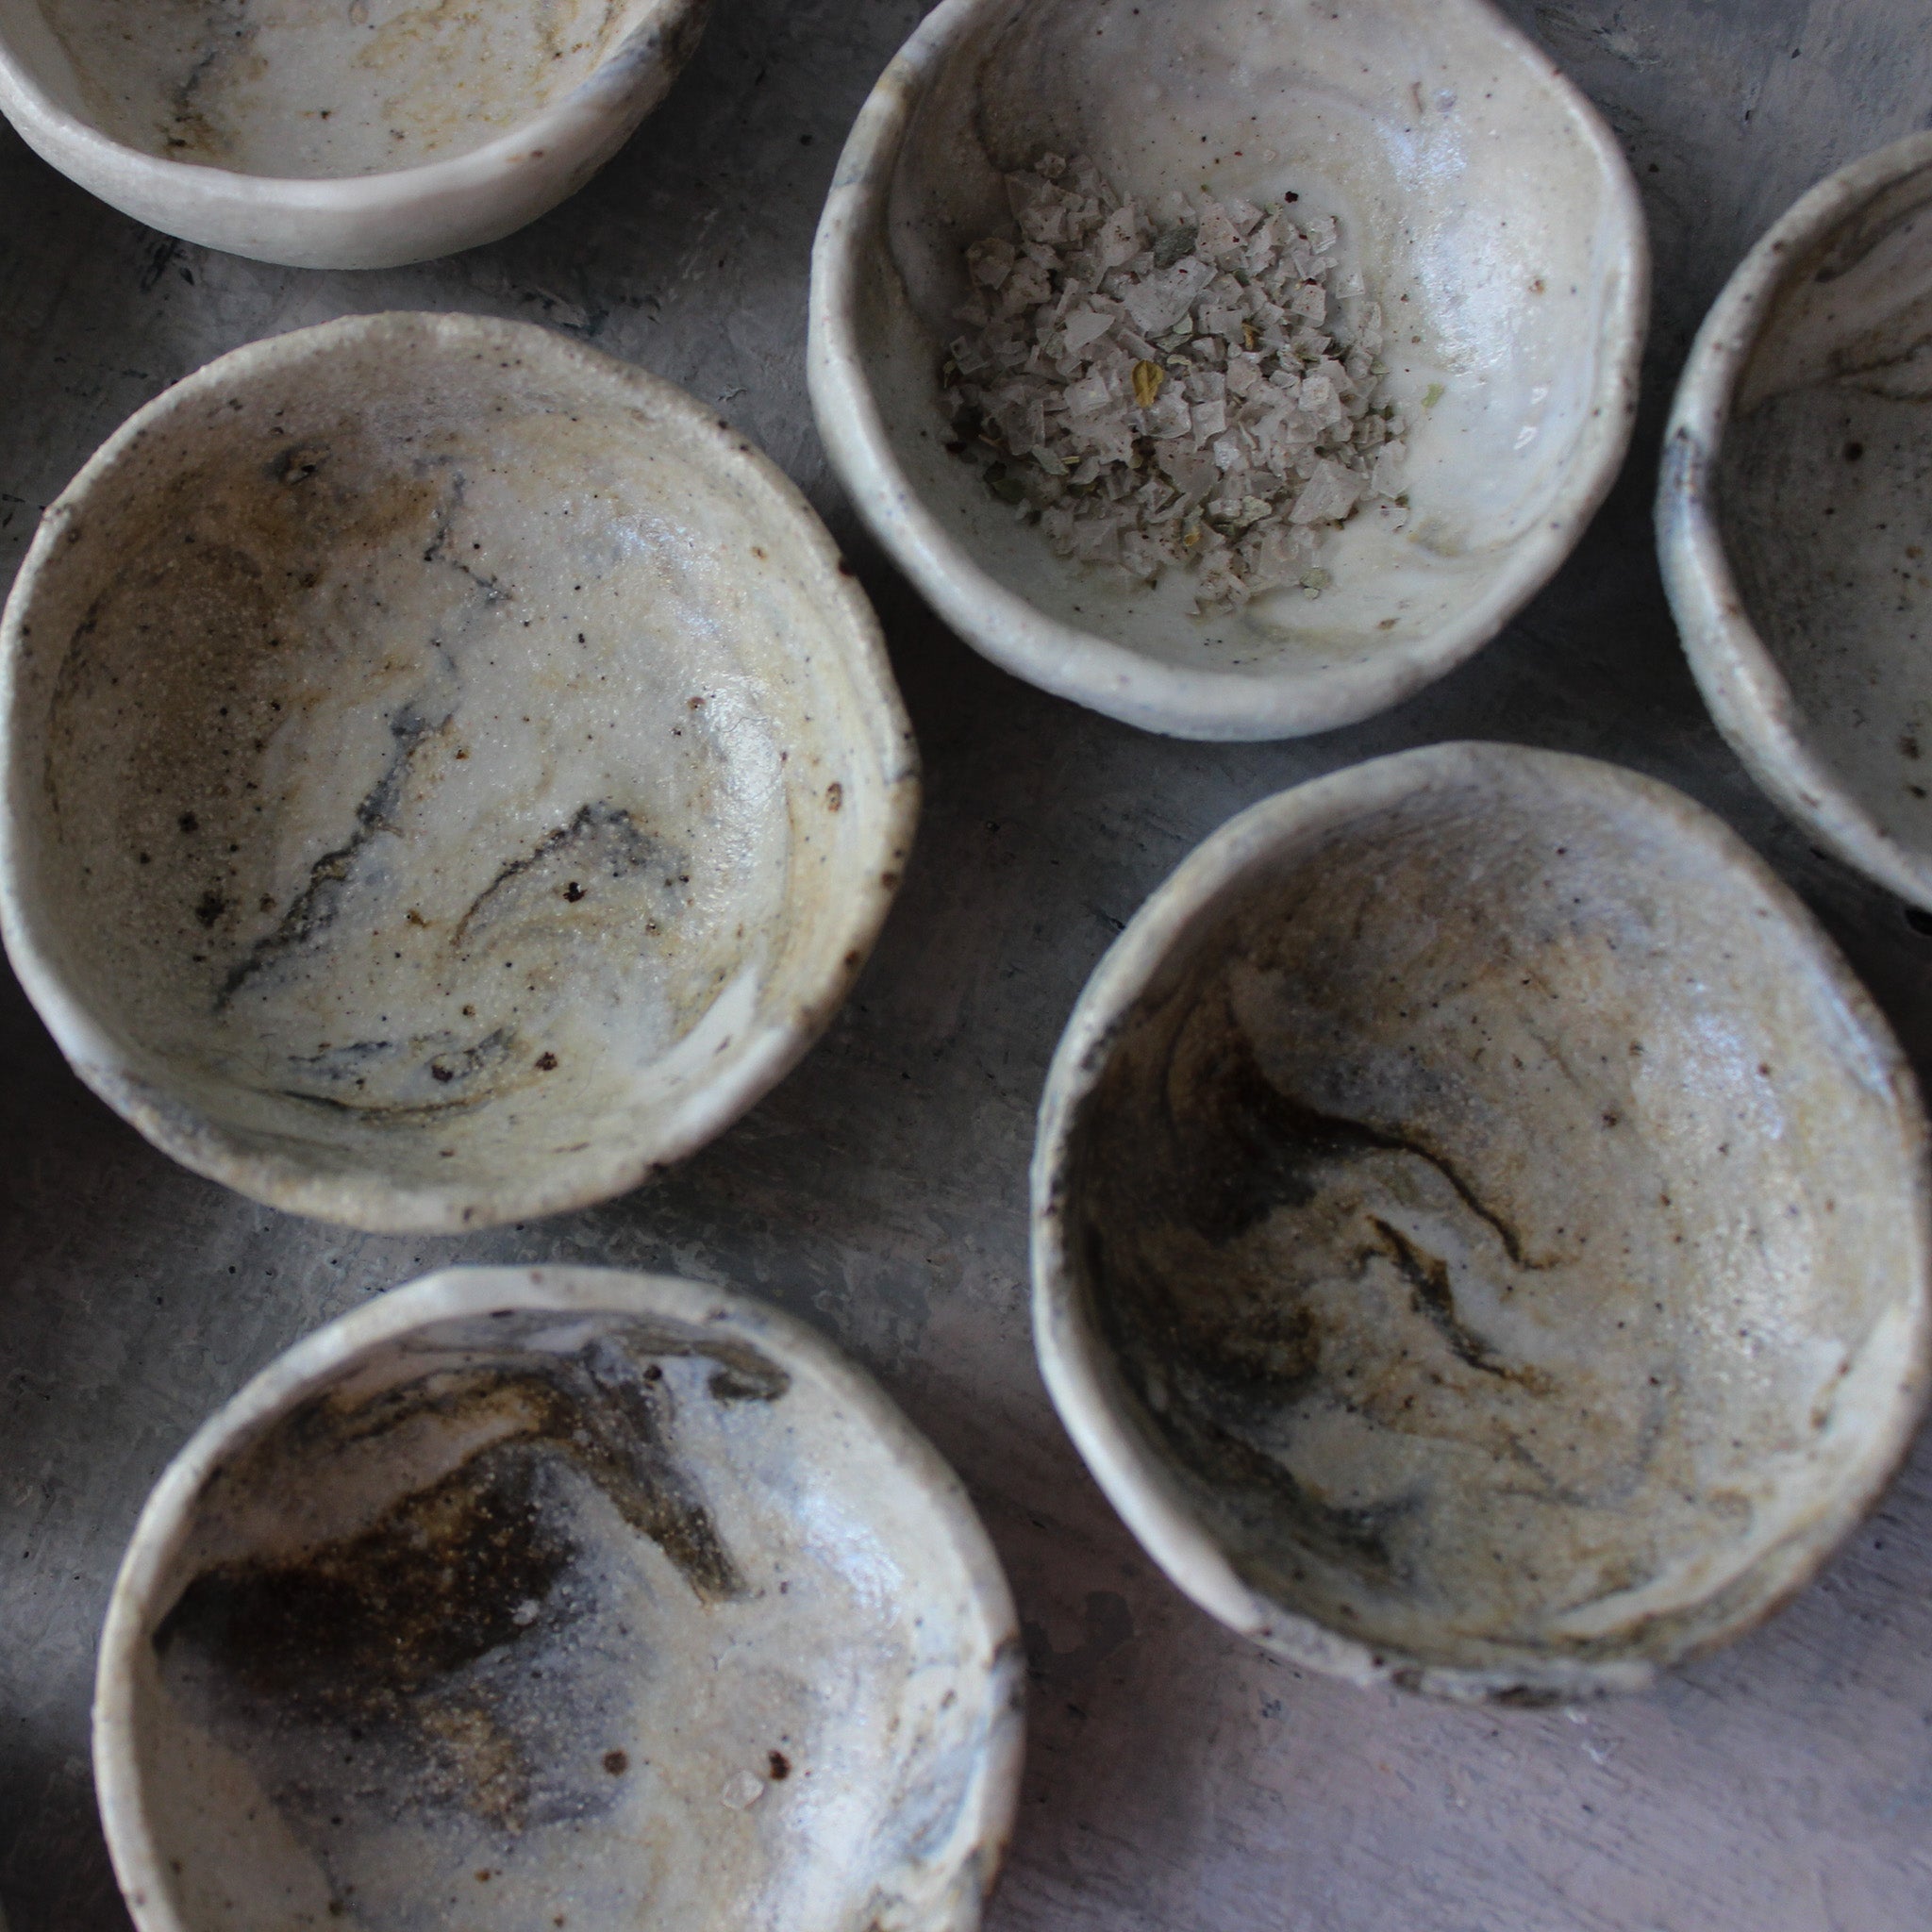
{"x":450,"y":774}
{"x":527,"y":1596}
{"x":1480,"y":199}
{"x":1481,"y":1228}
{"x":1795,"y":514}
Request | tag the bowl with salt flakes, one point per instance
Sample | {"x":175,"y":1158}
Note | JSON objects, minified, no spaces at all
{"x":1235,"y":373}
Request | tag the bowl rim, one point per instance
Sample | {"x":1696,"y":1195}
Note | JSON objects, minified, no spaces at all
{"x":365,"y":1196}
{"x":567,"y":128}
{"x":321,"y":1356}
{"x":1079,"y":1369}
{"x":1749,"y":697}
{"x":1223,"y":706}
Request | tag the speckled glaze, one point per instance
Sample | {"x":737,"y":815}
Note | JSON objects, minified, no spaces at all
{"x":1484,"y":204}
{"x":532,"y":1597}
{"x":361,"y":134}
{"x":1796,"y":515}
{"x":449,"y":773}
{"x":1481,"y":1228}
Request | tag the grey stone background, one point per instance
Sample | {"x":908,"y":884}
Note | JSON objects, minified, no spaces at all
{"x":1177,"y":1779}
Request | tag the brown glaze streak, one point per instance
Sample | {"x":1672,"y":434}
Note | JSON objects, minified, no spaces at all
{"x":399,"y":1636}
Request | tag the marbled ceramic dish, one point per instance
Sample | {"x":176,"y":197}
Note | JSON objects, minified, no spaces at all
{"x":1796,"y":515}
{"x":1487,"y":207}
{"x":449,"y":773}
{"x":1481,"y":1228}
{"x":536,"y":1598}
{"x":358,"y":134}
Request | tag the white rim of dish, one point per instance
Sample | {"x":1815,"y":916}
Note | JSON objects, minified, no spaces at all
{"x":1750,"y":697}
{"x":573,"y":124}
{"x":367,"y":1198}
{"x":1227,"y":705}
{"x":458,"y":1293}
{"x":1080,"y":1371}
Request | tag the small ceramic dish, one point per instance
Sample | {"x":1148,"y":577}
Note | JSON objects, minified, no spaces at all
{"x":449,"y":773}
{"x":1795,"y":514}
{"x":359,"y":135}
{"x":1481,"y":1228}
{"x":1480,"y":198}
{"x":558,"y":1597}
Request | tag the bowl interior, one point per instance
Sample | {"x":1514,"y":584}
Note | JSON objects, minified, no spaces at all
{"x":1475,"y":203}
{"x":550,"y":1616}
{"x":445,"y":758}
{"x":290,"y":89}
{"x":1500,"y":1227}
{"x":1824,"y":500}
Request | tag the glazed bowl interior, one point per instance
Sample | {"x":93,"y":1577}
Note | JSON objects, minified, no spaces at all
{"x":523,"y":1600}
{"x":292,"y":90}
{"x":450,"y":773}
{"x":1823,"y":492}
{"x":1479,"y":202}
{"x":1484,"y":1228}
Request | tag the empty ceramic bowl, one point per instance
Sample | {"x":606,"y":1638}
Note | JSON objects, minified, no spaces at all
{"x":1480,"y":1228}
{"x":532,"y":1598}
{"x":1796,"y":515}
{"x":449,"y":773}
{"x":358,"y":134}
{"x":1481,"y":201}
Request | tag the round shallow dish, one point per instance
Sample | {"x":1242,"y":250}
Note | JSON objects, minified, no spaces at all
{"x":1480,"y":1228}
{"x":1480,"y":197}
{"x":529,"y":1598}
{"x":449,"y":773}
{"x":1795,"y":514}
{"x":361,"y":134}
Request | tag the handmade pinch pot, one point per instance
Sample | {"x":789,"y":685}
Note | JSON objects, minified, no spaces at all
{"x":361,"y":134}
{"x":449,"y":773}
{"x":533,"y":1597}
{"x":1482,"y":203}
{"x":1795,"y":514}
{"x":1480,"y":1228}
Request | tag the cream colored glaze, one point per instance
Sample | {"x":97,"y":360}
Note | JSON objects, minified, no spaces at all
{"x":1483,"y":1227}
{"x":1796,"y":514}
{"x":790,"y":1699}
{"x":448,"y":765}
{"x":288,"y":89}
{"x":1482,"y":205}
{"x":356,"y":134}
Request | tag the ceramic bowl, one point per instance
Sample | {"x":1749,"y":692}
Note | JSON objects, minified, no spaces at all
{"x":1480,"y":197}
{"x":362,"y":134}
{"x":558,"y":1597}
{"x":1793,"y":517}
{"x":449,"y":773}
{"x":1480,"y":1228}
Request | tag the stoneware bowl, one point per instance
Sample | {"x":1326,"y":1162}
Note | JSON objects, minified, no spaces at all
{"x":1480,"y":1228}
{"x":359,"y":134}
{"x":1480,"y":198}
{"x":527,"y":1598}
{"x":1796,"y":515}
{"x":448,"y":774}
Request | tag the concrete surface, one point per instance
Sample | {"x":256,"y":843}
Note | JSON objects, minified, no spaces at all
{"x":1178,"y":1781}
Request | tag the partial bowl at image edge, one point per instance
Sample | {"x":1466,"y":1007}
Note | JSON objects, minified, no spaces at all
{"x":1750,"y":696}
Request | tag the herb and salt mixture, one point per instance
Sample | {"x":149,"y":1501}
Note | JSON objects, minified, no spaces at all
{"x":1172,"y":385}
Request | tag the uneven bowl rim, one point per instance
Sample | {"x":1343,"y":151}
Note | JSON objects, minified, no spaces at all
{"x":453,"y":1293}
{"x":1749,"y":696}
{"x":573,"y":124}
{"x":1224,"y":706}
{"x":367,"y":1197}
{"x":1078,"y":1366}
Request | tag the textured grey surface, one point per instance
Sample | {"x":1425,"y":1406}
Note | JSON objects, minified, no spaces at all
{"x":1177,"y":1779}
